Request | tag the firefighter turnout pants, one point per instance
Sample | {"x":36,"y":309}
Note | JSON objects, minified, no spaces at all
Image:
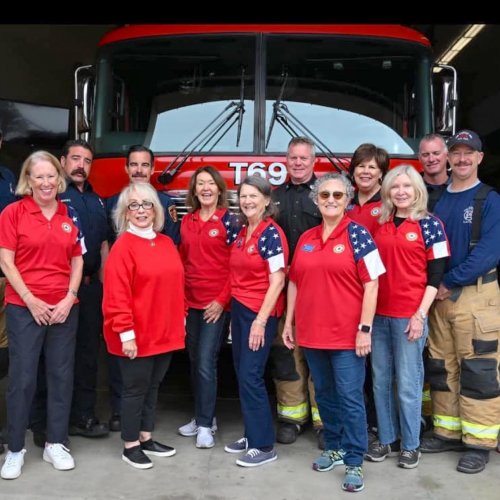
{"x":295,"y":398}
{"x":463,"y":366}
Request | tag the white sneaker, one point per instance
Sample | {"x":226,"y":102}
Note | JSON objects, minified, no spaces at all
{"x":191,"y":429}
{"x":13,"y":464}
{"x":205,"y":438}
{"x":59,"y":456}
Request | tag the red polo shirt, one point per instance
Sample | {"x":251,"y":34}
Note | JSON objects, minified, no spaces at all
{"x":368,"y":214}
{"x":329,"y":277}
{"x":43,"y":249}
{"x":405,"y":251}
{"x":252,"y":262}
{"x":205,"y":248}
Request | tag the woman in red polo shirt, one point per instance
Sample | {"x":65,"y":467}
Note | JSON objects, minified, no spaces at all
{"x":41,"y":256}
{"x":414,"y":249}
{"x":143,"y":309}
{"x":369,"y":165}
{"x":207,"y":232}
{"x":332,"y":294}
{"x":257,"y":274}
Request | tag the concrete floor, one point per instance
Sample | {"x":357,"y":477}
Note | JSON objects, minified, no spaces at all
{"x":213,"y":475}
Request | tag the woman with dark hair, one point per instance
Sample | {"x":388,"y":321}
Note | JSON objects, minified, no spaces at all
{"x":257,"y":274}
{"x":369,"y":165}
{"x":207,"y":232}
{"x":143,"y":311}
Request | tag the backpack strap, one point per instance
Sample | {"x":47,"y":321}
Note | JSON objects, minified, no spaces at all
{"x":479,"y":198}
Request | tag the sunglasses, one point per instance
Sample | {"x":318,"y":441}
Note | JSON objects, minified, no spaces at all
{"x":337,"y":195}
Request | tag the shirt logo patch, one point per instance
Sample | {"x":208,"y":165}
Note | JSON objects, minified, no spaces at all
{"x":375,"y":211}
{"x":411,"y":236}
{"x":66,"y":227}
{"x":251,"y":249}
{"x":338,"y":248}
{"x":213,"y":233}
{"x":468,"y":215}
{"x":308,"y":248}
{"x":173,"y":213}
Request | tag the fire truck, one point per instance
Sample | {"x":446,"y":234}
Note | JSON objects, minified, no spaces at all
{"x":232,"y":96}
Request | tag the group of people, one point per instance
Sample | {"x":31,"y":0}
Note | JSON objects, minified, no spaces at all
{"x":361,"y":271}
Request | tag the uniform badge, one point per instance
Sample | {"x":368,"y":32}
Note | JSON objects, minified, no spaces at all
{"x":338,"y":248}
{"x":66,"y":227}
{"x":172,"y":210}
{"x":411,"y":236}
{"x":308,"y":247}
{"x":213,"y":233}
{"x":251,"y":249}
{"x":375,"y":211}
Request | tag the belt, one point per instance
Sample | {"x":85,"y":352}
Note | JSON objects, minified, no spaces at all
{"x":490,"y":277}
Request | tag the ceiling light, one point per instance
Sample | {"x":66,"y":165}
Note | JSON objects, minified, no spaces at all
{"x":458,"y":45}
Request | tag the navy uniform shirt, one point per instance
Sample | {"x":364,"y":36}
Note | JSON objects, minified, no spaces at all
{"x":92,"y":214}
{"x":297,"y":212}
{"x":7,"y":187}
{"x":171,"y":227}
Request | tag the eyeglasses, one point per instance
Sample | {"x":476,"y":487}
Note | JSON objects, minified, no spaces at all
{"x":135,"y":205}
{"x":337,"y":195}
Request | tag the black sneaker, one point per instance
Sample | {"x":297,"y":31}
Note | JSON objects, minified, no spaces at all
{"x":437,"y":445}
{"x":378,"y":452}
{"x":408,"y":459}
{"x":115,"y":423}
{"x":151,"y":447}
{"x":473,"y":461}
{"x":136,"y":458}
{"x":320,"y":436}
{"x":88,"y":427}
{"x":287,"y":433}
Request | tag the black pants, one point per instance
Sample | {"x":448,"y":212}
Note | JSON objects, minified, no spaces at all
{"x":26,"y":342}
{"x":88,"y":340}
{"x":141,"y":378}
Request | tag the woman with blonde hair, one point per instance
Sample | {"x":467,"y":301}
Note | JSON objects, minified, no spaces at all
{"x":41,"y":256}
{"x":143,"y":310}
{"x":414,"y":248}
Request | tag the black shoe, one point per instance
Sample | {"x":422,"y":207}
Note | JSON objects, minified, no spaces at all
{"x":320,"y":436}
{"x":151,"y":447}
{"x":473,"y":461}
{"x":88,"y":427}
{"x":136,"y":458}
{"x":287,"y":433}
{"x":39,"y":439}
{"x":437,"y":445}
{"x":115,"y":423}
{"x":372,"y":435}
{"x":378,"y":452}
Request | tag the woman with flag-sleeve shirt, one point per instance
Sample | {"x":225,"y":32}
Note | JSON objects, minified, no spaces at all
{"x":335,"y":269}
{"x":414,"y":249}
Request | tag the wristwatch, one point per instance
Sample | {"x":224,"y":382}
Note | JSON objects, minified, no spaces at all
{"x":365,"y":328}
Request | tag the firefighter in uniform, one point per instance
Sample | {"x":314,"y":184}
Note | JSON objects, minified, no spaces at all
{"x":297,"y":214}
{"x":463,"y":368}
{"x":139,"y":167}
{"x":7,"y":196}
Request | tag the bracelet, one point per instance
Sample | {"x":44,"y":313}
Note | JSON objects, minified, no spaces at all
{"x":260,"y":322}
{"x":25,"y":293}
{"x":74,"y":292}
{"x":422,"y":314}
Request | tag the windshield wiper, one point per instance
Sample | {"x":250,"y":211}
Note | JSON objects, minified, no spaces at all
{"x":296,"y":127}
{"x":216,"y":129}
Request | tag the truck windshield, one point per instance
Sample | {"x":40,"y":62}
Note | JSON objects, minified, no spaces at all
{"x":163,"y":91}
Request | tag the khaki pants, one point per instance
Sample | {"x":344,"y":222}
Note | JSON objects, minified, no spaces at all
{"x":463,"y":366}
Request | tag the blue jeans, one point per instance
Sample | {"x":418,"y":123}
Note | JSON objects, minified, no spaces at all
{"x":250,"y":366}
{"x":338,"y":377}
{"x":203,"y":343}
{"x":398,"y":377}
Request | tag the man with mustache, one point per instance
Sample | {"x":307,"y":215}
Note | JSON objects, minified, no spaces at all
{"x":76,"y":160}
{"x":139,"y":167}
